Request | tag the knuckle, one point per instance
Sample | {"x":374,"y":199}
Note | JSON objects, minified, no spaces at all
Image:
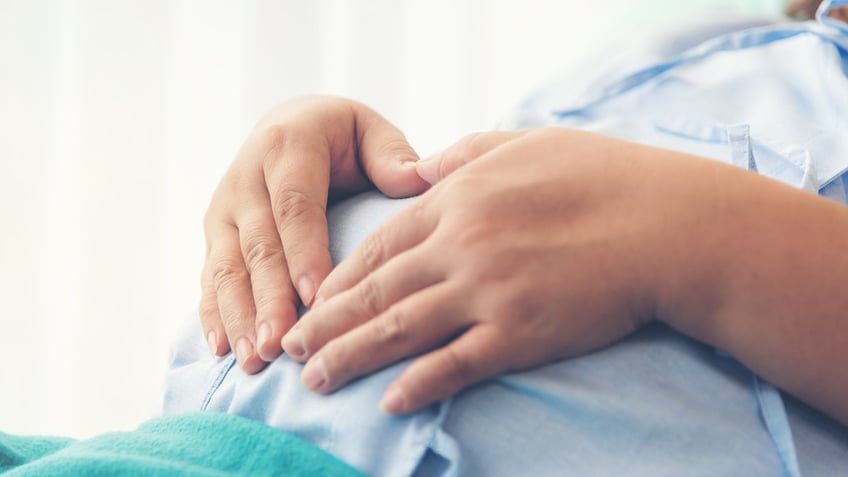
{"x":373,"y":251}
{"x":209,"y":217}
{"x":508,"y":308}
{"x":498,"y":273}
{"x":226,"y":273}
{"x":208,"y":310}
{"x":458,"y":367}
{"x":391,"y":327}
{"x":370,"y":298}
{"x":463,"y":151}
{"x":292,"y":204}
{"x":273,"y":136}
{"x":215,"y":223}
{"x":419,"y":210}
{"x":274,"y":139}
{"x":469,"y":146}
{"x":207,"y":286}
{"x":269,"y":299}
{"x":267,"y":144}
{"x":459,"y":188}
{"x":236,"y":319}
{"x":446,"y":165}
{"x":474,"y":236}
{"x":261,"y":252}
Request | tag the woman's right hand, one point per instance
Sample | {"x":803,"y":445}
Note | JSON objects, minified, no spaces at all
{"x":266,"y":228}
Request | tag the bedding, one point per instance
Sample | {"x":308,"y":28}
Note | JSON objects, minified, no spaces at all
{"x":197,"y":444}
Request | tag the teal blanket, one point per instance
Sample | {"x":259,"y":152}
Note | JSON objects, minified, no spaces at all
{"x":202,"y":444}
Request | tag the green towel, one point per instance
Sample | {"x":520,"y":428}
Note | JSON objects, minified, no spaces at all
{"x":201,"y":444}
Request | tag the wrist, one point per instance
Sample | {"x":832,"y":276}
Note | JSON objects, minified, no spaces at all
{"x":698,"y":244}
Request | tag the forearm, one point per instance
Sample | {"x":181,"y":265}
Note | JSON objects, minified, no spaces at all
{"x":776,"y":271}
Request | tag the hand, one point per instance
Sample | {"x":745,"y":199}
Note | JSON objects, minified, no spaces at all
{"x":802,"y":9}
{"x":266,"y":230}
{"x":806,"y":9}
{"x":550,"y":244}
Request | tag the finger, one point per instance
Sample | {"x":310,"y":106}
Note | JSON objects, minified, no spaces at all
{"x":296,"y":172}
{"x":403,"y":231}
{"x":478,"y":354}
{"x":386,"y":156}
{"x":274,"y":297}
{"x":435,"y":168}
{"x":231,"y":283}
{"x":370,"y":298}
{"x":413,"y":325}
{"x":210,"y":319}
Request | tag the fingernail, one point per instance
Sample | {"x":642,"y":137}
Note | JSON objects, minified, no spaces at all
{"x":393,"y":402}
{"x":212,"y":341}
{"x":428,"y":169}
{"x":306,"y":290}
{"x":293,"y":344}
{"x":263,"y":334}
{"x":243,"y":350}
{"x":314,"y":375}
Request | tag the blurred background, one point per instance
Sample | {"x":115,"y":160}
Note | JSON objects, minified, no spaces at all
{"x":117,"y":118}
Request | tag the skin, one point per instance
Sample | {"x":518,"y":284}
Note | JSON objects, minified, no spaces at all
{"x":523,"y":256}
{"x":542,"y":261}
{"x":802,"y":9}
{"x":266,"y":229}
{"x":806,"y":9}
{"x":839,"y":13}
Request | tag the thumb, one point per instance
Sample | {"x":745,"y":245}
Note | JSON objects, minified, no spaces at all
{"x":438,"y":166}
{"x":386,"y":156}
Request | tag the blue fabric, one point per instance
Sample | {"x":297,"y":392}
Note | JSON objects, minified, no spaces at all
{"x":773,"y":99}
{"x":196,"y":444}
{"x":797,"y":112}
{"x":641,"y":406}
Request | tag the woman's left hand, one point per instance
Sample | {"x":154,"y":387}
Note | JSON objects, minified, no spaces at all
{"x":547,"y":244}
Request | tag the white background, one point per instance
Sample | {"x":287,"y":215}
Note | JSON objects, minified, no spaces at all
{"x":117,"y":118}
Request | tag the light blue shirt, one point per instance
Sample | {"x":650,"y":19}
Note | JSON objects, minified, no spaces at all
{"x":656,"y":403}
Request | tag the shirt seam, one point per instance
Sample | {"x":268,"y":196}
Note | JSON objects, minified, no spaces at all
{"x":216,"y":383}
